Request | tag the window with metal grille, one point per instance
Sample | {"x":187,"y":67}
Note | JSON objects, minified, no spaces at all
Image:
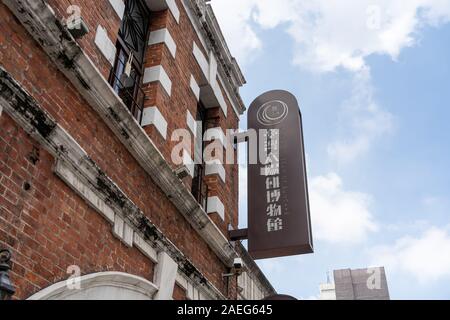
{"x":199,"y":187}
{"x":127,"y":72}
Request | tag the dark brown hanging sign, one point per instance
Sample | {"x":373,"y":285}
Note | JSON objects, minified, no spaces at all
{"x":279,"y":221}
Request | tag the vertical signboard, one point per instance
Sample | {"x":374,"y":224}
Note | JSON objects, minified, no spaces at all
{"x":278,"y":206}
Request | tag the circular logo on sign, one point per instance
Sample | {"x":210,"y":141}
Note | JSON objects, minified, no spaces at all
{"x":272,"y":113}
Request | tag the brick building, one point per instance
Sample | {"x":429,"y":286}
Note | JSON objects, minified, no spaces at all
{"x":89,"y":113}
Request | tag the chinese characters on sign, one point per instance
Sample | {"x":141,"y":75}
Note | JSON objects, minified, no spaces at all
{"x":278,"y":204}
{"x":271,"y":172}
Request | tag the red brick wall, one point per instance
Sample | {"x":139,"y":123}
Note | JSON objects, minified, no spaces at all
{"x":174,"y":107}
{"x":49,"y":227}
{"x":94,"y":13}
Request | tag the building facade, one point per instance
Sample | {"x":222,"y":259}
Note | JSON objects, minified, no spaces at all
{"x":104,"y":192}
{"x":360,"y":284}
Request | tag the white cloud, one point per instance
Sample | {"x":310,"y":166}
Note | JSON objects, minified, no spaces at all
{"x":331,"y":34}
{"x":339,"y":216}
{"x":365,"y":121}
{"x":426,"y":257}
{"x":235,"y":18}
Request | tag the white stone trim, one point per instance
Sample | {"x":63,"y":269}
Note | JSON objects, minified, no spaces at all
{"x":229,"y":63}
{"x":182,"y":281}
{"x":188,"y":162}
{"x":209,"y":69}
{"x":165,"y":275}
{"x":227,"y":93}
{"x":195,"y":87}
{"x":59,"y":291}
{"x":118,"y":227}
{"x":84,"y":191}
{"x":163,"y":36}
{"x":219,"y":96}
{"x":1,"y":110}
{"x":105,"y":45}
{"x":208,"y":65}
{"x":158,"y":74}
{"x":193,"y":17}
{"x":152,"y":116}
{"x":215,"y":205}
{"x":191,"y":123}
{"x":159,"y":5}
{"x":174,"y":9}
{"x":216,"y":168}
{"x":119,"y":7}
{"x":215,"y":134}
{"x":192,"y":293}
{"x":145,"y":248}
{"x":123,"y":231}
{"x":201,"y":60}
{"x":212,"y":75}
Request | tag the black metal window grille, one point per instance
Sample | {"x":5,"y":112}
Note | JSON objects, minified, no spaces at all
{"x":199,"y":187}
{"x":127,"y":72}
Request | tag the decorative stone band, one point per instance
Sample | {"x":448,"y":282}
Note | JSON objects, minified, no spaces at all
{"x":163,"y":36}
{"x":42,"y":24}
{"x":119,"y":7}
{"x":82,"y":174}
{"x":105,"y":45}
{"x":158,"y":74}
{"x":192,"y":293}
{"x":123,"y":231}
{"x":166,"y":267}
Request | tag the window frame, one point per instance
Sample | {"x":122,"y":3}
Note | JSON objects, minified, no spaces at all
{"x":122,"y":50}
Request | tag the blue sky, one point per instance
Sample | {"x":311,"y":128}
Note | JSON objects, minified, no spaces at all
{"x":372,"y":78}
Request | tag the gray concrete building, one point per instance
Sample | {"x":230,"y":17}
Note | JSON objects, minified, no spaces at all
{"x":360,"y":284}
